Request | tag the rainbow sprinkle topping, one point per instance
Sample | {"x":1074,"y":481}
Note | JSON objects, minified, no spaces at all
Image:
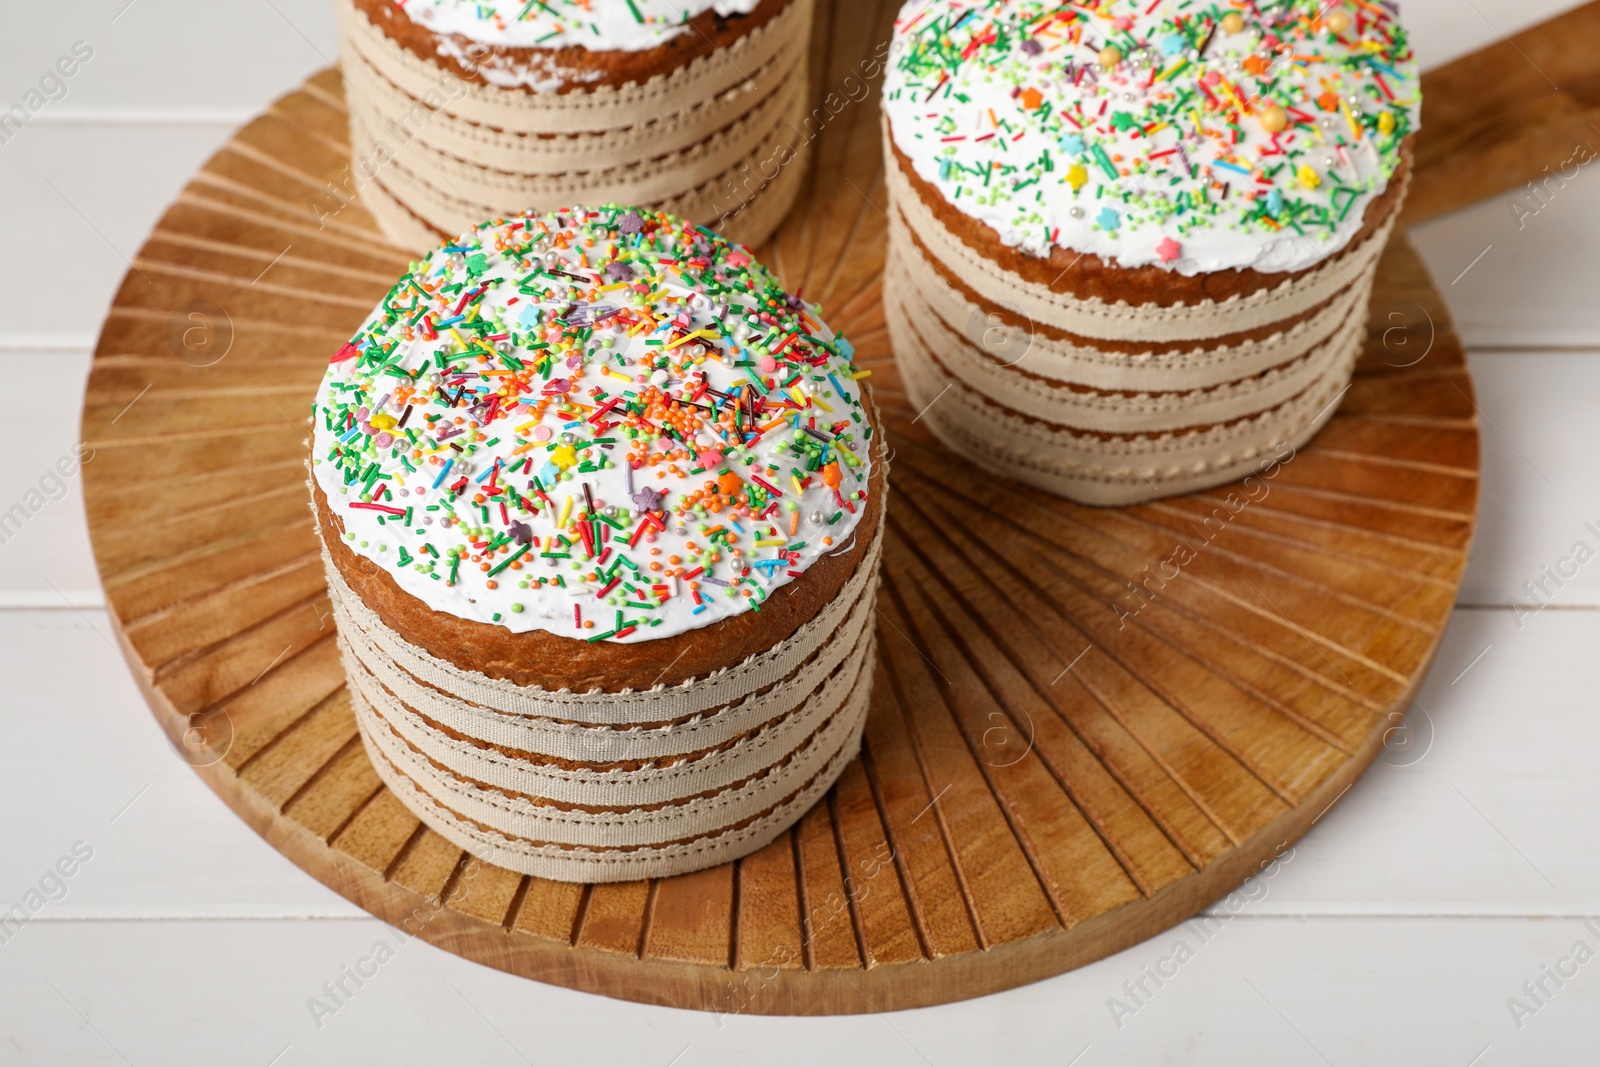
{"x":1193,"y":135}
{"x":607,"y":423}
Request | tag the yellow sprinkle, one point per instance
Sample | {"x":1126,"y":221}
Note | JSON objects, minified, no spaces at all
{"x":858,"y":375}
{"x":770,"y":543}
{"x":689,"y":337}
{"x":1355,"y":128}
{"x":566,"y":512}
{"x":823,"y":404}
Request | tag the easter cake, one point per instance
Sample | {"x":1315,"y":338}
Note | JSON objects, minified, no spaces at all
{"x":1131,"y":244}
{"x":462,"y":110}
{"x":601,"y":507}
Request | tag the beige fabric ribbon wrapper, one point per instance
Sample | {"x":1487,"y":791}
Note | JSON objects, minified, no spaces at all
{"x":1106,"y":427}
{"x":437,"y":154}
{"x":600,"y":787}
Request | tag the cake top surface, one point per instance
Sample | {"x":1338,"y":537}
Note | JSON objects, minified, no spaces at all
{"x":1191,"y":135}
{"x":606,"y":423}
{"x":598,"y":25}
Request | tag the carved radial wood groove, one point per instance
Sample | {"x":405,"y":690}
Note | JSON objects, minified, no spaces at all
{"x":1054,"y":767}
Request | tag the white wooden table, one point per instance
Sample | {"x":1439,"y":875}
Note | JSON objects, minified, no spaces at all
{"x":1461,"y":868}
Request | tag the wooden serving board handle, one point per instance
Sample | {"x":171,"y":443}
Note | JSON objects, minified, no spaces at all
{"x":1502,"y":116}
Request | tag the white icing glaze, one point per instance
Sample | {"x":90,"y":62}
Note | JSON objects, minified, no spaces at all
{"x":693,"y":332}
{"x":598,"y":25}
{"x":1009,"y":134}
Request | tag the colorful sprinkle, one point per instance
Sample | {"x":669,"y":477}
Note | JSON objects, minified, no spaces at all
{"x":569,"y":437}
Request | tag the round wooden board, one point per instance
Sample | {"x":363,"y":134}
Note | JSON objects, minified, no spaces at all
{"x":1055,"y":767}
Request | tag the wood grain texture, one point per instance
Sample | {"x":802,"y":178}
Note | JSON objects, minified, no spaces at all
{"x":1497,"y":118}
{"x":1055,"y":766}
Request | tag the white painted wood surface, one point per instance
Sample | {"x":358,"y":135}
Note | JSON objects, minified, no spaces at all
{"x":1453,"y":873}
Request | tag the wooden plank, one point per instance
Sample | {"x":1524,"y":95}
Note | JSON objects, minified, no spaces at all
{"x":769,"y":927}
{"x":549,"y":910}
{"x":692,"y":918}
{"x":426,"y":864}
{"x":615,"y":917}
{"x":484,"y":891}
{"x":377,"y":833}
{"x":828,"y":919}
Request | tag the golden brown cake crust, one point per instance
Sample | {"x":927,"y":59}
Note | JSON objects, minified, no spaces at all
{"x":1090,"y":277}
{"x":551,"y":661}
{"x":708,"y":32}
